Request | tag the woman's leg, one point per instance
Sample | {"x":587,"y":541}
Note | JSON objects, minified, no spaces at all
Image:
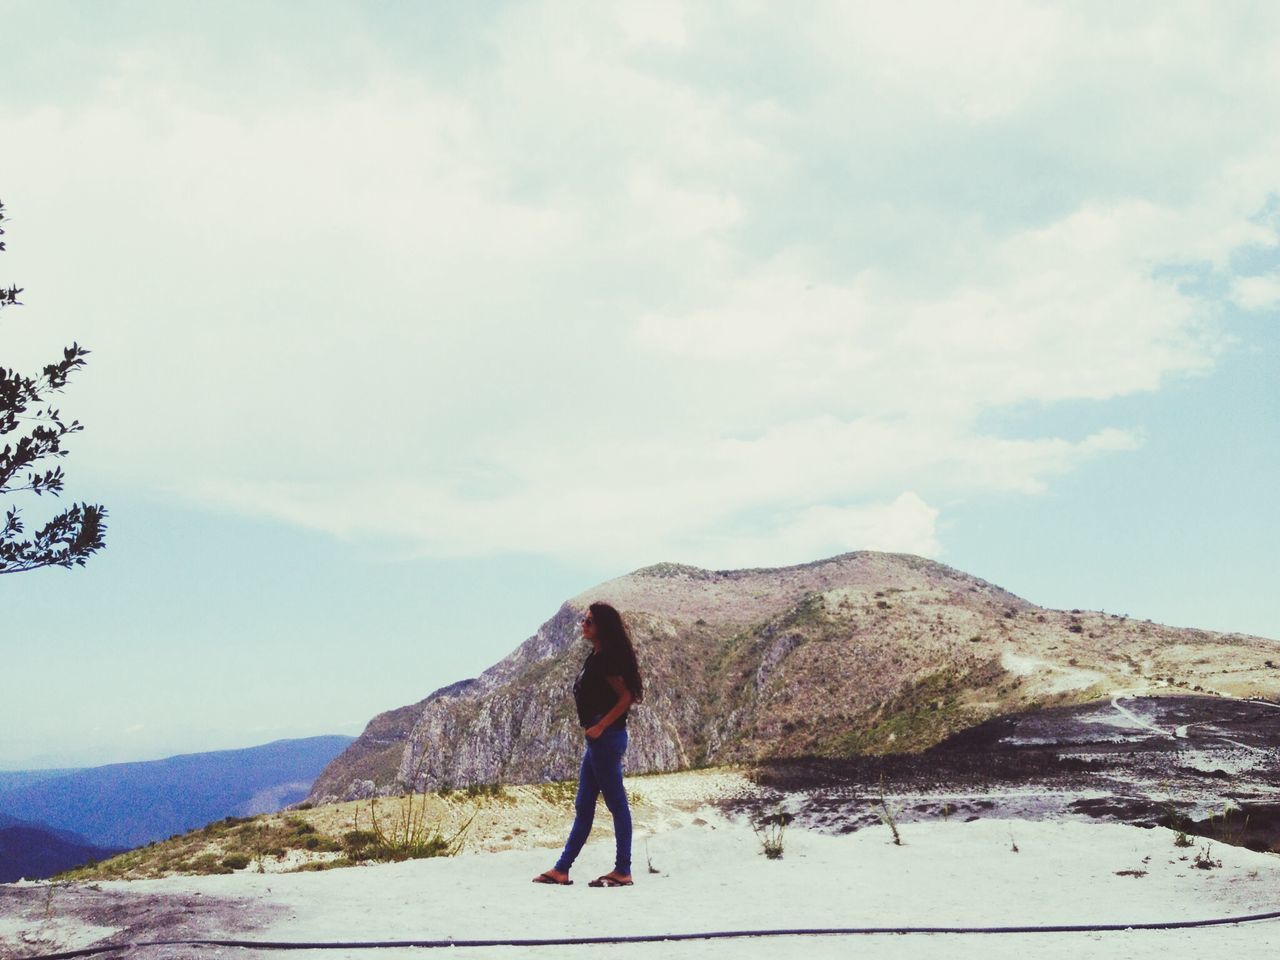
{"x":584,"y":807}
{"x":605,"y":755}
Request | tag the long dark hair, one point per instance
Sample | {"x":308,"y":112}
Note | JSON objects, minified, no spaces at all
{"x":615,"y":639}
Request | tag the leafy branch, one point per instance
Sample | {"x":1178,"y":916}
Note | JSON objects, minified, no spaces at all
{"x":73,"y":535}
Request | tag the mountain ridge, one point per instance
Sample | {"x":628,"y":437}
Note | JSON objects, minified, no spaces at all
{"x":863,"y":652}
{"x":123,"y":805}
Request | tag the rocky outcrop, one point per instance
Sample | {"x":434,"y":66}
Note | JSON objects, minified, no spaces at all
{"x":374,"y":757}
{"x":861,"y":653}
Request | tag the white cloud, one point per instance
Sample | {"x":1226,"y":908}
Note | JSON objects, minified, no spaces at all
{"x":716,"y":310}
{"x":659,"y":22}
{"x":814,"y":486}
{"x":904,"y":525}
{"x":975,"y":62}
{"x":1257,"y":292}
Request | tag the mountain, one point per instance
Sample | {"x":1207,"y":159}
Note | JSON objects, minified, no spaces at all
{"x":12,"y":779}
{"x":32,"y":852}
{"x":128,"y":804}
{"x":861,"y":653}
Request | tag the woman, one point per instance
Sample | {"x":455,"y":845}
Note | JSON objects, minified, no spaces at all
{"x":607,"y":685}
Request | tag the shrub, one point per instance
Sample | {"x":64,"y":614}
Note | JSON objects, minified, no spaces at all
{"x":770,"y":830}
{"x":1204,"y":859}
{"x":205,"y":863}
{"x":314,"y":841}
{"x":478,"y":791}
{"x":887,"y":817}
{"x":318,"y":865}
{"x":236,"y":861}
{"x":360,"y":844}
{"x":406,"y":834}
{"x":559,"y":793}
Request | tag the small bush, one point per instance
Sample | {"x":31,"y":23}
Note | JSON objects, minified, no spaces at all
{"x":205,"y":864}
{"x":236,"y":861}
{"x":1204,"y":859}
{"x":476,"y":791}
{"x":887,"y":816}
{"x":360,"y":844}
{"x":316,"y":842}
{"x":559,"y":793}
{"x":318,"y":865}
{"x":771,"y":830}
{"x":405,"y":835}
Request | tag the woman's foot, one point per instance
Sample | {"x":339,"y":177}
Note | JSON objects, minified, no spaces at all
{"x":555,"y":877}
{"x":612,"y":879}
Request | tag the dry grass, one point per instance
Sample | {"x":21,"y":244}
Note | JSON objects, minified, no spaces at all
{"x":342,"y":834}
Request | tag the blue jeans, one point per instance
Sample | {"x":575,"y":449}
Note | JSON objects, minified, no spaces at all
{"x":601,"y":773}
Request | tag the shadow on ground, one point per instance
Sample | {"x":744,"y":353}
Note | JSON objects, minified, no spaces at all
{"x":1206,"y":765}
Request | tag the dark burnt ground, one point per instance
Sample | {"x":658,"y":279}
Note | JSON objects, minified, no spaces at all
{"x":137,"y":915}
{"x":1147,"y":761}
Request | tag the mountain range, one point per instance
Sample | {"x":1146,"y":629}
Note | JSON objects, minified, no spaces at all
{"x":863,"y":653}
{"x":125,"y":805}
{"x":33,"y":851}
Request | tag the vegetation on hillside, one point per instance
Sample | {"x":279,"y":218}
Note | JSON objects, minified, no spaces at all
{"x":378,"y":830}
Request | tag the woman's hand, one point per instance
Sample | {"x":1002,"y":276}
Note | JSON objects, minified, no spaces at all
{"x":593,"y":732}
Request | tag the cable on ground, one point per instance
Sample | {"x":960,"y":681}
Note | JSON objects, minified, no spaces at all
{"x":650,"y":937}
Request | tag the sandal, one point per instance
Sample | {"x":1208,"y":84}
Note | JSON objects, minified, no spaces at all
{"x":609,"y":880}
{"x":549,"y":878}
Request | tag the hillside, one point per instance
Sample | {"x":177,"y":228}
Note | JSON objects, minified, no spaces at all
{"x":864,"y":653}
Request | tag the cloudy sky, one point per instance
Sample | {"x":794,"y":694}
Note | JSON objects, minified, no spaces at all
{"x":411,"y":320}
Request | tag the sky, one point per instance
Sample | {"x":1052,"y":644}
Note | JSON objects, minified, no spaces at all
{"x":410,"y":321}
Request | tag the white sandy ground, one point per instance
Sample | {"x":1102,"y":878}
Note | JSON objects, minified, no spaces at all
{"x":713,"y":877}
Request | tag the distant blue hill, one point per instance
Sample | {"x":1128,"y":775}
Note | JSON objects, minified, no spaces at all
{"x":66,"y":836}
{"x":12,"y":779}
{"x":125,"y":805}
{"x":34,"y":853}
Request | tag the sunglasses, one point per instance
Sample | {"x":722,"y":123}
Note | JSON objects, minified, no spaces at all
{"x":587,"y":621}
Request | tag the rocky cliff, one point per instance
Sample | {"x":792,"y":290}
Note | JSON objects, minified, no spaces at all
{"x":862,"y":653}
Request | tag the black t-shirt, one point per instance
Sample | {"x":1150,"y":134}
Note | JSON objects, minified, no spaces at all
{"x":592,"y":693}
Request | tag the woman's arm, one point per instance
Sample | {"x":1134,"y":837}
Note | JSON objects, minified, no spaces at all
{"x":619,"y":708}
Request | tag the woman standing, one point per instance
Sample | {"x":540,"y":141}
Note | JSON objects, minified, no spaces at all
{"x":607,"y":685}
